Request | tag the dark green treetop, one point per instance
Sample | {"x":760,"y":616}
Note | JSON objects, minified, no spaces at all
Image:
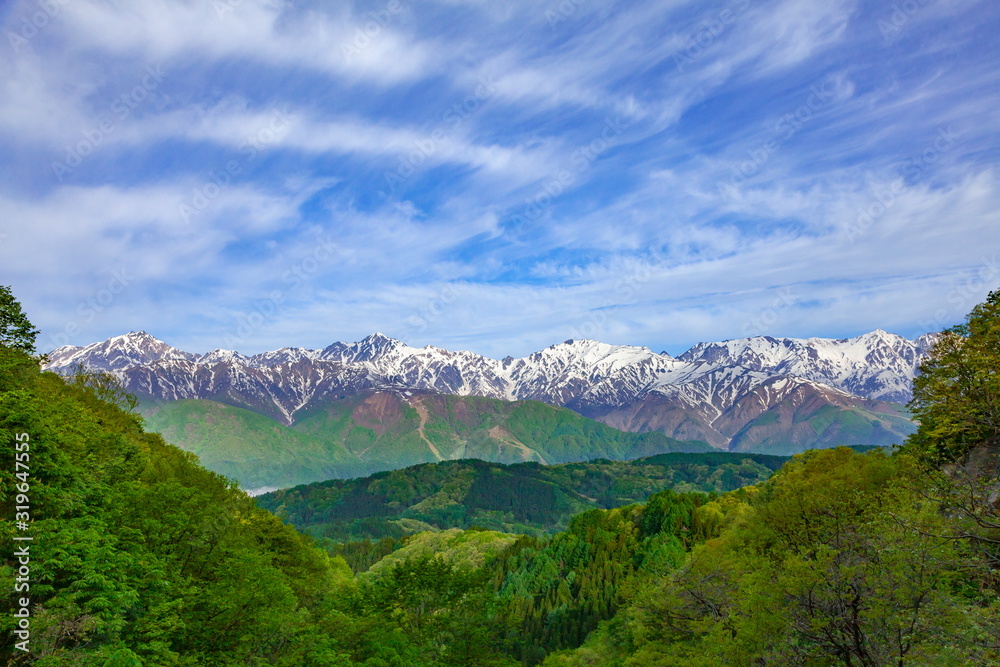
{"x":15,"y":329}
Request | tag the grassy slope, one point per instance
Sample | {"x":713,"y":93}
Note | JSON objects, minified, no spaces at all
{"x":360,"y":435}
{"x":248,"y":447}
{"x":385,"y":430}
{"x":784,"y":433}
{"x":523,"y":498}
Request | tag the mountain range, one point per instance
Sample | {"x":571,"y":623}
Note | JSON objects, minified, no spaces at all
{"x":764,"y":394}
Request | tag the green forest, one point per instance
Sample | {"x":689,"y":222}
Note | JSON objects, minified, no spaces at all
{"x":524,"y":498}
{"x":141,"y":557}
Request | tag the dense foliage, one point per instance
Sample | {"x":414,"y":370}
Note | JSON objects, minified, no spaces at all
{"x":956,"y":397}
{"x":137,"y":547}
{"x":16,"y":331}
{"x":559,"y":589}
{"x":525,"y":498}
{"x":838,"y":559}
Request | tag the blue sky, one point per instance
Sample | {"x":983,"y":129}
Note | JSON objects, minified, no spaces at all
{"x":250,"y":174}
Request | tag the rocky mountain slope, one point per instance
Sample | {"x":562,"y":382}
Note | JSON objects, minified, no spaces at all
{"x":768,"y":394}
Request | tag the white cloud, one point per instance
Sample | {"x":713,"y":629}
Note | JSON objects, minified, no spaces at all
{"x":267,"y":31}
{"x":641,"y":246}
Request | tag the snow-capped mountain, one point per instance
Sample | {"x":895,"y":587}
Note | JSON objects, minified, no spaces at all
{"x":875,"y":365}
{"x":710,"y":392}
{"x":117,"y":354}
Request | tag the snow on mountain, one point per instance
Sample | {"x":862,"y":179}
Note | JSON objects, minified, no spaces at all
{"x":875,"y":365}
{"x":117,"y":353}
{"x":220,"y":356}
{"x":278,"y":357}
{"x":588,"y":376}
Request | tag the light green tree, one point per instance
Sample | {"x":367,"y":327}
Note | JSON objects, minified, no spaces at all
{"x":956,"y":397}
{"x":837,"y":560}
{"x":956,"y":400}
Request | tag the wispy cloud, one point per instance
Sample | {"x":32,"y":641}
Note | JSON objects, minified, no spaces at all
{"x":498,"y":176}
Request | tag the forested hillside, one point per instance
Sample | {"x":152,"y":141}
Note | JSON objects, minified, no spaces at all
{"x":142,"y":557}
{"x":843,"y":558}
{"x":525,"y":498}
{"x":139,"y":556}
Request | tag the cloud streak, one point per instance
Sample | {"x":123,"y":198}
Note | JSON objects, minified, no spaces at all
{"x":444,"y":172}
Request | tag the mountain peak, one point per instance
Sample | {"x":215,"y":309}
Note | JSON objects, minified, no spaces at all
{"x":117,"y":353}
{"x":703,"y":394}
{"x":576,"y":342}
{"x":371,"y":347}
{"x":379,"y":338}
{"x":220,"y":355}
{"x":880,"y":334}
{"x":137,"y":336}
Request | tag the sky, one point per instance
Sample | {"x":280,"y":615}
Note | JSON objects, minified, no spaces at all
{"x":497,"y":176}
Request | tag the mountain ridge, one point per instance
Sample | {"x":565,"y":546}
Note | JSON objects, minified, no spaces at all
{"x":695,"y":395}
